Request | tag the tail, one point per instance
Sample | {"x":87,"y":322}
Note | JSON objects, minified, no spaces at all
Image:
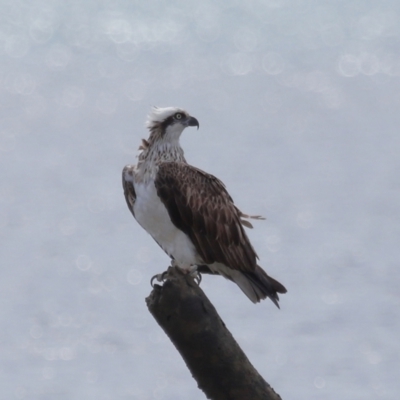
{"x":258,"y":285}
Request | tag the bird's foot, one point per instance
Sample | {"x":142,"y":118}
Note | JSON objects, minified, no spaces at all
{"x":158,"y":277}
{"x":190,"y":270}
{"x":197,"y":277}
{"x":195,"y":274}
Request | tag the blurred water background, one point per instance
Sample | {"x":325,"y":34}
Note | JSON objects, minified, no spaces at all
{"x":298,"y":103}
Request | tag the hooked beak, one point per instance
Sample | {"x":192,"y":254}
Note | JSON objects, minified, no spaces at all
{"x":192,"y":121}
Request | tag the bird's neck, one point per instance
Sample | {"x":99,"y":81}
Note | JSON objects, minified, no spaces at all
{"x":158,"y":150}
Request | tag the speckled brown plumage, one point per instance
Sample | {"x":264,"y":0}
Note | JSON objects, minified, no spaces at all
{"x":189,"y":212}
{"x":200,"y":206}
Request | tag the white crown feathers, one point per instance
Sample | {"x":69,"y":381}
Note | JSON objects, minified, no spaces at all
{"x":158,"y":114}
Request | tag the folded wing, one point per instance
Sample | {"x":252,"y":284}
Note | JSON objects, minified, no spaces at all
{"x":199,"y":204}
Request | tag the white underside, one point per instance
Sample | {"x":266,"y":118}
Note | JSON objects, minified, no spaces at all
{"x":152,"y":215}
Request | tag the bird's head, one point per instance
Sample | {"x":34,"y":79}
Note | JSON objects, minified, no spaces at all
{"x":170,"y":121}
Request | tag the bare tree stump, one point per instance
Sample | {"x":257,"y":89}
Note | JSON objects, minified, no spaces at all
{"x":217,"y":363}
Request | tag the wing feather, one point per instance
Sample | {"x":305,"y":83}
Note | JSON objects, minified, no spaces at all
{"x":129,"y":189}
{"x":199,"y":204}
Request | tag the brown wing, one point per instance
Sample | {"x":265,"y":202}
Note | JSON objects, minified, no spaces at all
{"x":129,"y":189}
{"x":199,"y":204}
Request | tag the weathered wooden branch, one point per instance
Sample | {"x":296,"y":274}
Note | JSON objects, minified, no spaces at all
{"x":209,"y":350}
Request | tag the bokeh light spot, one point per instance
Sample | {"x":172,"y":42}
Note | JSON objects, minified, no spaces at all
{"x":16,"y":46}
{"x":390,"y":64}
{"x":273,"y":243}
{"x":245,"y":39}
{"x":128,"y":51}
{"x":40,"y":32}
{"x":273,"y":63}
{"x":36,"y":332}
{"x":237,"y":64}
{"x":333,"y":97}
{"x":67,"y":353}
{"x":58,"y":56}
{"x":319,"y":382}
{"x":369,"y":64}
{"x":119,"y":30}
{"x":83,"y":262}
{"x":48,"y":373}
{"x":349,"y":65}
{"x":50,"y":354}
{"x":18,"y":83}
{"x":208,"y":31}
{"x":35,"y":106}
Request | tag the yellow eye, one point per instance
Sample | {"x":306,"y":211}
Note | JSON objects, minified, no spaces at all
{"x":178,"y":116}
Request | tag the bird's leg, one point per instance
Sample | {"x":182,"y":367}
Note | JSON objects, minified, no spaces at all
{"x":174,"y":263}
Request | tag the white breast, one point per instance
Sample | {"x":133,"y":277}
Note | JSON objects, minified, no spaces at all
{"x":152,"y":215}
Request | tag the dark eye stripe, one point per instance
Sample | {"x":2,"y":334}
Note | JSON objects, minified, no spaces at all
{"x":171,"y":120}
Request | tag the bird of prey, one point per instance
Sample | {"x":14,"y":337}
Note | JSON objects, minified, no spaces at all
{"x":189,"y":212}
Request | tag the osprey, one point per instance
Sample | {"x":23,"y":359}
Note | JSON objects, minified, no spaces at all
{"x":189,"y":212}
